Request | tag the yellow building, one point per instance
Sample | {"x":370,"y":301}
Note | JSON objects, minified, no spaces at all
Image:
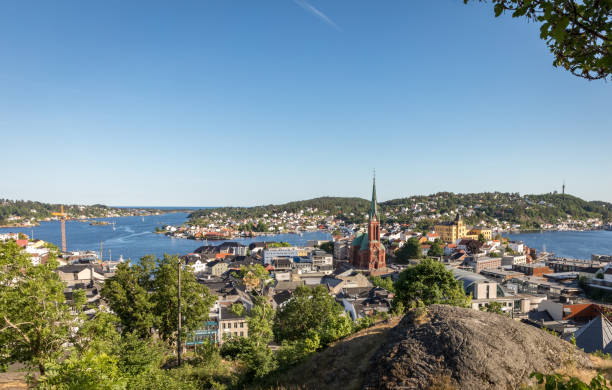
{"x":486,"y":233}
{"x":455,"y":230}
{"x":451,"y":231}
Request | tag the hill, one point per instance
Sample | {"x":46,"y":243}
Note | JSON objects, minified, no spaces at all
{"x":16,"y":211}
{"x":328,"y":204}
{"x":493,"y":208}
{"x":447,"y":347}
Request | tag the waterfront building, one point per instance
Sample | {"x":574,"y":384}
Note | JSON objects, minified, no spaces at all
{"x":367,"y":252}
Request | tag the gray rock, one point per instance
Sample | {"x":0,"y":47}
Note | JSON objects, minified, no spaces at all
{"x":459,"y":348}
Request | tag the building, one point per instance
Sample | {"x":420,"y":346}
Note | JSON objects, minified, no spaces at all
{"x":320,"y":258}
{"x":595,"y":336}
{"x":451,"y":231}
{"x":232,"y":325}
{"x":516,"y":259}
{"x":535,"y":269}
{"x":234,"y":248}
{"x":272,"y":253}
{"x":477,"y":231}
{"x":367,"y":252}
{"x":483,"y":263}
{"x":341,"y":249}
{"x":79,"y":273}
{"x":217,"y":267}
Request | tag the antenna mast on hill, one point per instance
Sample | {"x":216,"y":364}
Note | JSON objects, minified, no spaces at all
{"x":563,"y":188}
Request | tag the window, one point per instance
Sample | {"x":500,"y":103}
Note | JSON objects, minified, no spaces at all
{"x":241,"y":334}
{"x":242,"y":324}
{"x":235,"y":325}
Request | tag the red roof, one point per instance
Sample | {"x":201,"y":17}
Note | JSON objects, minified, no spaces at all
{"x":22,"y":243}
{"x":585,"y":311}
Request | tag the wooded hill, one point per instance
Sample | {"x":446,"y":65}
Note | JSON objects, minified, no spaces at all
{"x":27,"y":209}
{"x":528,"y":210}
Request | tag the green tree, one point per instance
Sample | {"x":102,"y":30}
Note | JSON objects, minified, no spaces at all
{"x":292,"y":352}
{"x":128,"y":295}
{"x":35,"y":321}
{"x":327,"y":246}
{"x":254,"y":277}
{"x":576,"y":32}
{"x":410,"y":250}
{"x":282,"y":244}
{"x":435,"y":250}
{"x":493,"y":307}
{"x":195,"y":298}
{"x":386,"y":283}
{"x":145,"y":297}
{"x":482,"y":238}
{"x":312,"y":309}
{"x":564,"y":382}
{"x":429,"y":282}
{"x":260,"y":322}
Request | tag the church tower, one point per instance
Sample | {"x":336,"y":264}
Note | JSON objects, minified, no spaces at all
{"x":374,"y":219}
{"x":367,"y":252}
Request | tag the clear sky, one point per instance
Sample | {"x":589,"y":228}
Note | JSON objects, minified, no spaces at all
{"x":228,"y":102}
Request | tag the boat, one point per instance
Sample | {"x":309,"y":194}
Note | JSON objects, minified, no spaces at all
{"x":99,"y":223}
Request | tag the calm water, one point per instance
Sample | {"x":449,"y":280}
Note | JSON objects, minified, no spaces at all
{"x":133,"y":237}
{"x":579,"y":245}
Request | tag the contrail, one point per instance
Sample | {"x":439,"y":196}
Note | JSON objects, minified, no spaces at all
{"x":304,"y":4}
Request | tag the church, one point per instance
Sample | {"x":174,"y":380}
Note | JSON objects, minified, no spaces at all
{"x":367,"y":252}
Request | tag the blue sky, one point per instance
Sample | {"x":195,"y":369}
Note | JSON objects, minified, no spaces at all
{"x":256,"y":102}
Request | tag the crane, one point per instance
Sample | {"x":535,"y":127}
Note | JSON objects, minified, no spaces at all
{"x":62,"y":216}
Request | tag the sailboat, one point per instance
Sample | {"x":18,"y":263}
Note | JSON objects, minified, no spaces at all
{"x":114,"y":225}
{"x":143,"y":218}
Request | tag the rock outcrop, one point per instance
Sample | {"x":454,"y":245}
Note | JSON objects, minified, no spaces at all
{"x":450,"y":347}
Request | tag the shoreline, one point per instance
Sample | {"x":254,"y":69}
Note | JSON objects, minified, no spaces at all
{"x":531,"y":231}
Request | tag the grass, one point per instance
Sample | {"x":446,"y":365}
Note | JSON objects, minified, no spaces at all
{"x":342,"y":365}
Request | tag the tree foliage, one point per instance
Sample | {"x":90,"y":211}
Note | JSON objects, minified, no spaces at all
{"x":312,"y":309}
{"x":578,"y":33}
{"x":327,"y":246}
{"x":563,"y":382}
{"x":145,"y":296}
{"x":386,"y":283}
{"x":429,"y":282}
{"x":35,"y":320}
{"x":436,"y":250}
{"x":410,"y":250}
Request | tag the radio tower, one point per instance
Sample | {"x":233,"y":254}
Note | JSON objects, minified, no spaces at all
{"x":563,"y":189}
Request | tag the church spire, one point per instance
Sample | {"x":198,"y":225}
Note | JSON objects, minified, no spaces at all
{"x":374,"y":206}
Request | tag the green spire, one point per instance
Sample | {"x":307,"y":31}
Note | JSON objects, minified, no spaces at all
{"x":374,"y":206}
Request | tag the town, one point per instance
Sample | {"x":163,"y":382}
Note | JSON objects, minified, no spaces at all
{"x":497,"y":212}
{"x":358,"y":267}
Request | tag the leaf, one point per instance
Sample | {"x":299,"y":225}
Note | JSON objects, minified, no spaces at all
{"x":499,"y":8}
